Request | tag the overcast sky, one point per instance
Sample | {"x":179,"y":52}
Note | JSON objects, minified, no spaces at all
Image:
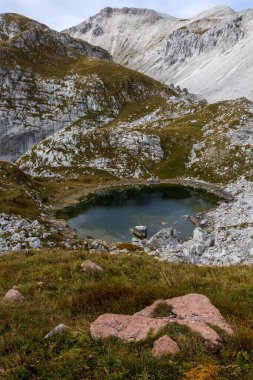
{"x":61,"y":14}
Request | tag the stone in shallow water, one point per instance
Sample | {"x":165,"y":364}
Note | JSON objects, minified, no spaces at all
{"x":139,"y":231}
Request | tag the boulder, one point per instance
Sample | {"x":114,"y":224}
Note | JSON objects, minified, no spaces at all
{"x":129,"y":328}
{"x":163,"y":238}
{"x":193,"y":310}
{"x":17,"y":248}
{"x":58,"y":330}
{"x":12,"y":295}
{"x":165,"y":346}
{"x":90,"y":266}
{"x":153,"y":180}
{"x":34,"y":242}
{"x":139,"y":231}
{"x":199,"y":235}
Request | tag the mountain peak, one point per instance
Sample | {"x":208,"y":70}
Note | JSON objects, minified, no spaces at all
{"x":221,"y":11}
{"x":108,"y":11}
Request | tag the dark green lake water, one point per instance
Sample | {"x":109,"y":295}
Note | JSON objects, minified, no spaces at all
{"x":110,"y":215}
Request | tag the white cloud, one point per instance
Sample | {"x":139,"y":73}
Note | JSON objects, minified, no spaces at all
{"x":60,"y":14}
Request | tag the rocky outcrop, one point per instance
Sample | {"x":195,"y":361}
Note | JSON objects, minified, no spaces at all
{"x":210,"y":54}
{"x":224,"y":238}
{"x":193,"y":310}
{"x":18,"y":234}
{"x":118,"y":151}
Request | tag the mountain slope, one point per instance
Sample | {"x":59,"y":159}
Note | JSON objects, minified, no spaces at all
{"x":209,"y":54}
{"x":171,"y":138}
{"x":19,"y":193}
{"x":42,"y":82}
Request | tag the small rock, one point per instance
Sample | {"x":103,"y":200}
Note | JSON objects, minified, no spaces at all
{"x":17,"y":248}
{"x":153,"y":180}
{"x":34,"y":242}
{"x":165,"y":346}
{"x":60,"y":329}
{"x":12,"y":295}
{"x":90,"y":266}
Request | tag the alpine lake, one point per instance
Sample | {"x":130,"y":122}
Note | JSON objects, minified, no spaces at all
{"x":110,"y":214}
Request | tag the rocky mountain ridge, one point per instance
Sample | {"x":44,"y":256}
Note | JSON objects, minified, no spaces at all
{"x":210,"y":54}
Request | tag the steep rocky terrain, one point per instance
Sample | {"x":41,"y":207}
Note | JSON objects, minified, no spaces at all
{"x":41,"y":89}
{"x":209,"y":54}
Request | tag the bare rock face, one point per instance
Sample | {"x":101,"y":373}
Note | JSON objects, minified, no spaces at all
{"x":193,"y":310}
{"x":12,"y":295}
{"x":90,"y":266}
{"x":32,"y":105}
{"x":129,"y":328}
{"x":165,"y":346}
